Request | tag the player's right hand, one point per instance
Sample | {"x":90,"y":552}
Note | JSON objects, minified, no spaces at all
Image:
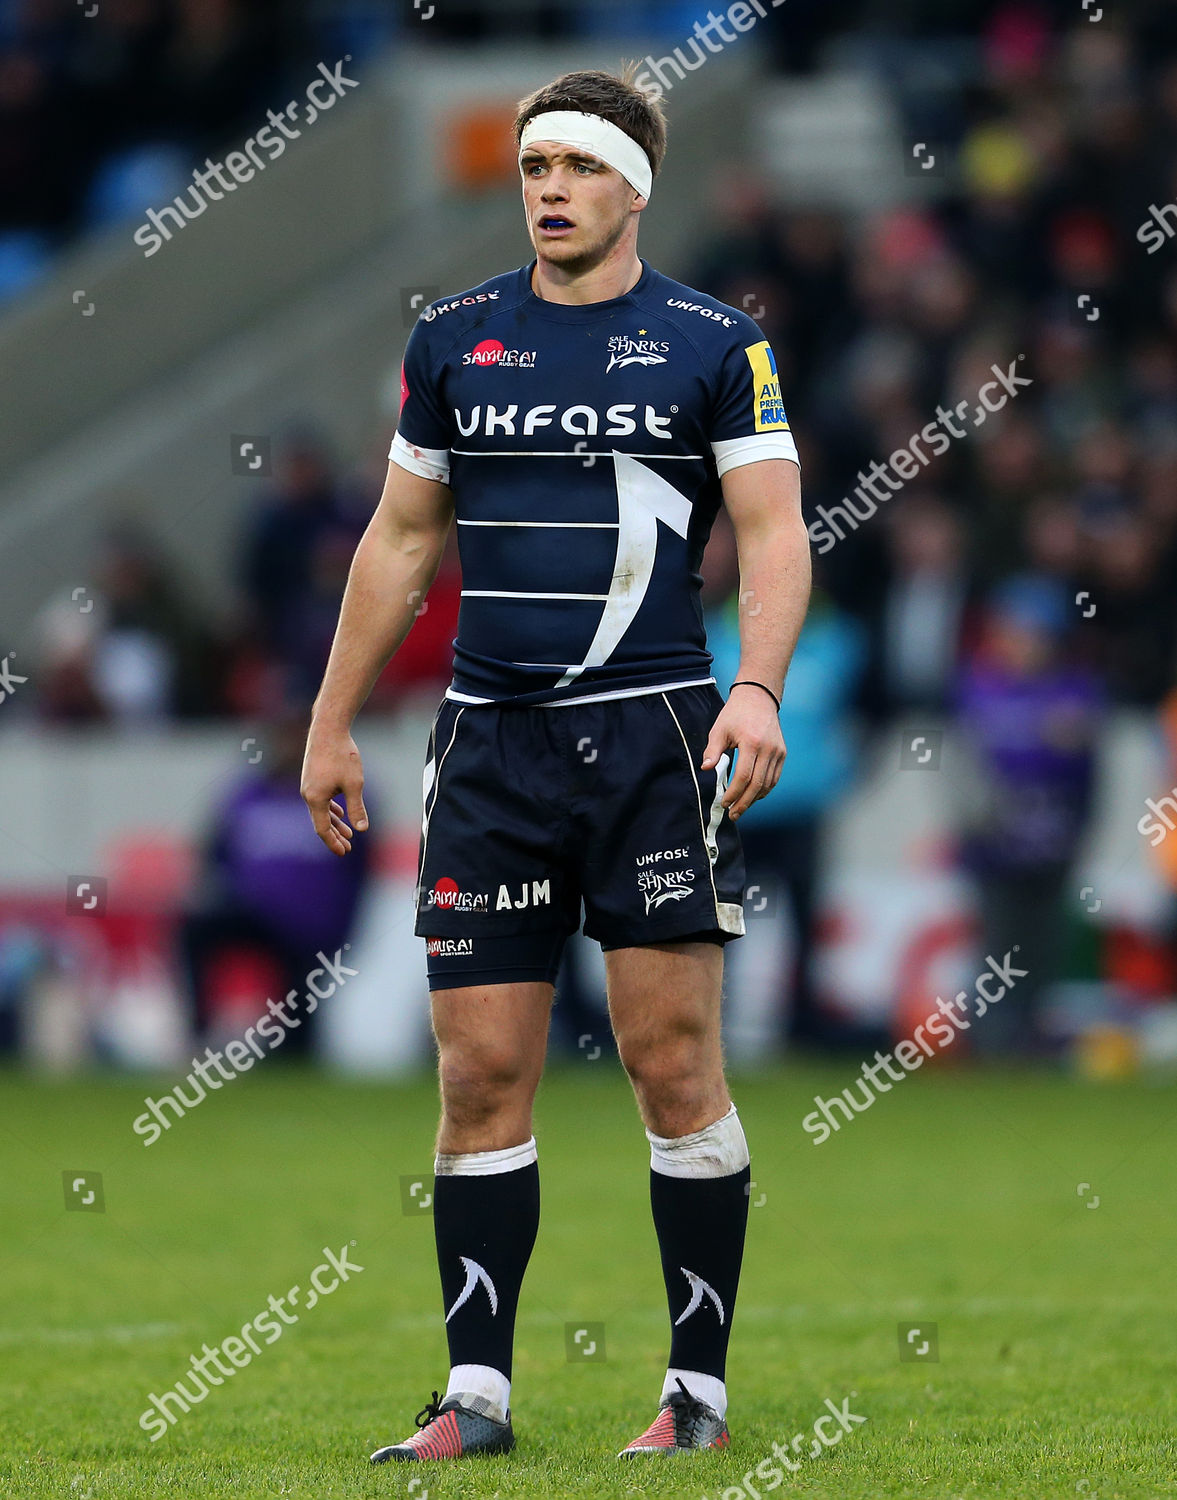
{"x":332,"y":765}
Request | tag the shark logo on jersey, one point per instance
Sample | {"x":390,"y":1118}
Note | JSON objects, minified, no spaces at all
{"x":699,"y":1289}
{"x":770,"y":410}
{"x":624,"y":351}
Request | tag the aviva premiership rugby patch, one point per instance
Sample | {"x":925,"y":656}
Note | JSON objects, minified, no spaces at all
{"x":770,"y":410}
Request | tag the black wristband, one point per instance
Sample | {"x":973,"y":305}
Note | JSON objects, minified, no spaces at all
{"x":747,"y":682}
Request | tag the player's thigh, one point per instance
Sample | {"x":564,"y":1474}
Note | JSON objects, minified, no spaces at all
{"x":665,"y":1001}
{"x":492,"y":1034}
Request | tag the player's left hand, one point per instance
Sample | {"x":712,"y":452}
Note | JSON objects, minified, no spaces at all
{"x":748,"y":723}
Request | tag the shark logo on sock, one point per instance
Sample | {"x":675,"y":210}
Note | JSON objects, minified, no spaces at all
{"x":474,"y":1274}
{"x":699,"y":1289}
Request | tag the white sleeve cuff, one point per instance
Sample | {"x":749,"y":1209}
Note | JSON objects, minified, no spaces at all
{"x":737,"y":452}
{"x":430,"y":463}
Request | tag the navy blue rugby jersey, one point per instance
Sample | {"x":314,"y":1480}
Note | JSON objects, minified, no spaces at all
{"x":584,"y":445}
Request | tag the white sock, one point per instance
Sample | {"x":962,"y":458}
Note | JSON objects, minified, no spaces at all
{"x":486,"y":1163}
{"x":706,"y":1387}
{"x":718,"y":1150}
{"x":490,"y":1388}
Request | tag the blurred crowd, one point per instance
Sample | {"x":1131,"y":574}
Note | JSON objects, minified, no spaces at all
{"x":106,"y":105}
{"x":1020,"y":585}
{"x":1063,"y":142}
{"x":141,"y":648}
{"x":93,"y":97}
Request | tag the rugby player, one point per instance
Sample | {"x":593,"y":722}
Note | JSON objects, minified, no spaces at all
{"x":582,"y":419}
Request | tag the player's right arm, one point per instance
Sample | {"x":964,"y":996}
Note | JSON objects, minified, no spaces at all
{"x":394,"y":565}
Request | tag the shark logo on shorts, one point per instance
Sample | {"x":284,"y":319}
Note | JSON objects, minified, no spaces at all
{"x":660,"y":886}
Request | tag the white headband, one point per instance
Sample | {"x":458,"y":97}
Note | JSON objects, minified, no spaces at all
{"x":593,"y":134}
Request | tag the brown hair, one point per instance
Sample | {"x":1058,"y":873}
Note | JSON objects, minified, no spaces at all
{"x":617,"y":99}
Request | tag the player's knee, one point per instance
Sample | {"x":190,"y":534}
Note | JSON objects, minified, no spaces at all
{"x":662,"y":1059}
{"x":675,"y":1114}
{"x":668,"y":1099}
{"x":480,"y":1081}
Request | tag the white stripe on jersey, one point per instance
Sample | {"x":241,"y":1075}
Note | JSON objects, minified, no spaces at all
{"x":571,"y":453}
{"x":582,"y":525}
{"x":506,"y":594}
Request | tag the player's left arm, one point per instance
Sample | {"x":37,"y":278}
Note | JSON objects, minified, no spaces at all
{"x":764,"y":502}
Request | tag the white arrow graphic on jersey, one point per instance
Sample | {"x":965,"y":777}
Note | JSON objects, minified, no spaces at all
{"x":698,"y":1288}
{"x":643,"y":499}
{"x":475,"y":1274}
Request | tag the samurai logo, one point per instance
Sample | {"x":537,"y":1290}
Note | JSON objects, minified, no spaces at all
{"x":447,"y":895}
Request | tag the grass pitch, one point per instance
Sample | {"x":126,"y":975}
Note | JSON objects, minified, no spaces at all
{"x":1030,"y":1218}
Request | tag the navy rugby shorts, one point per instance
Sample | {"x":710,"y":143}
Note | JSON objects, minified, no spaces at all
{"x":530,"y":811}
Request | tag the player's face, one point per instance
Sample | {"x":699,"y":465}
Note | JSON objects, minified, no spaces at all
{"x":577,"y":207}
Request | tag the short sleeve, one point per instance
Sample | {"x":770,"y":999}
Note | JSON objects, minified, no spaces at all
{"x":423,"y":436}
{"x":749,"y":422}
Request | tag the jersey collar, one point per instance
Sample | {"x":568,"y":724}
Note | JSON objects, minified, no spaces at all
{"x":583,"y":312}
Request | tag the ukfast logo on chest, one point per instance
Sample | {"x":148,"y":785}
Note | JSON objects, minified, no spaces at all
{"x":580,"y":421}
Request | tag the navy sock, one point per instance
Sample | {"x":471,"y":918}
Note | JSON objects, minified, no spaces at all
{"x":485,"y":1221}
{"x":701,"y":1223}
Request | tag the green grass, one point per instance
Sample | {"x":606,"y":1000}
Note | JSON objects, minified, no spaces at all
{"x":955,"y":1199}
